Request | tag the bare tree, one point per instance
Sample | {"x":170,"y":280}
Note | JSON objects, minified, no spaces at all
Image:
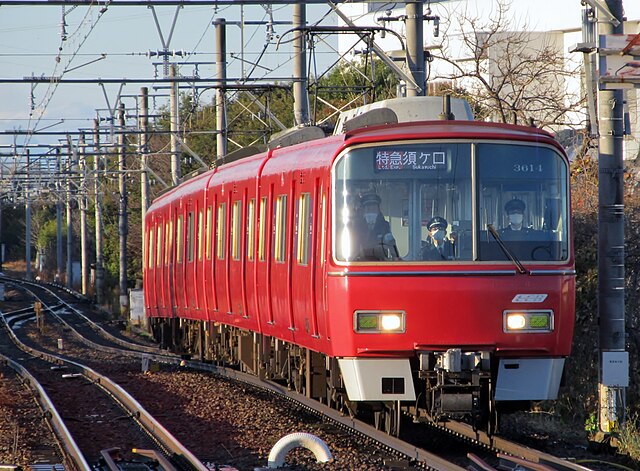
{"x":509,"y":74}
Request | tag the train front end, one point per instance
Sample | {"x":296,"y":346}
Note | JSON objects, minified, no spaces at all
{"x":486,"y":320}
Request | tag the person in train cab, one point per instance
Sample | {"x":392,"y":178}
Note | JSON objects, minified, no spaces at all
{"x":515,"y":210}
{"x":374,"y":239}
{"x":437,"y":246}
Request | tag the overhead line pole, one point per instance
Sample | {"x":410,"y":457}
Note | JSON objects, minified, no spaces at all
{"x":82,"y":197}
{"x":300,"y":92}
{"x":98,"y":214}
{"x":143,"y":124}
{"x":415,"y":48}
{"x":173,"y":105}
{"x":122,"y":215}
{"x":221,"y":76}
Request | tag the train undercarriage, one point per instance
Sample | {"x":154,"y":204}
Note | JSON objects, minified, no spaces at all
{"x":448,"y":384}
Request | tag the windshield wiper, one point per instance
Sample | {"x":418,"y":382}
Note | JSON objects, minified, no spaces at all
{"x":505,"y":249}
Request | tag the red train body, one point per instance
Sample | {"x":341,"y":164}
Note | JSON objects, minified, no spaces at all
{"x":265,"y":246}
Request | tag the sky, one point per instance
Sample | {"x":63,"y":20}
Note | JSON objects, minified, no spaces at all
{"x":113,"y":44}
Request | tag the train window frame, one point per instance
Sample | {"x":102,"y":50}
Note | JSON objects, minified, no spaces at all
{"x":251,"y":229}
{"x":209,"y":232}
{"x":159,"y":245}
{"x":304,"y":218}
{"x":236,"y":230}
{"x":221,"y":228}
{"x":151,"y":251}
{"x":200,"y":233}
{"x":190,"y":236}
{"x":280,"y":229}
{"x":262,"y":229}
{"x":179,"y":238}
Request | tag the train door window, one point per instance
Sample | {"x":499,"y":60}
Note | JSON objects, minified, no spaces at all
{"x":168,"y":244}
{"x":280,"y":229}
{"x":200,"y":233}
{"x":236,"y":229}
{"x":251,"y":229}
{"x":303,"y":228}
{"x":262,"y":229}
{"x":179,"y":238}
{"x":221,"y":228}
{"x":523,"y":195}
{"x":190,"y":236}
{"x":323,"y":227}
{"x":150,"y":249}
{"x":209,"y":231}
{"x":159,"y":246}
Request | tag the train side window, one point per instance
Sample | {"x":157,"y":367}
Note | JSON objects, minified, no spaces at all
{"x":159,"y":245}
{"x":236,"y":227}
{"x":150,"y":249}
{"x":262,"y":229}
{"x":190,"y":236}
{"x":280,"y":228}
{"x":200,"y":230}
{"x":251,"y":228}
{"x":179,"y":238}
{"x":209,"y":230}
{"x":221,"y":228}
{"x":303,"y":228}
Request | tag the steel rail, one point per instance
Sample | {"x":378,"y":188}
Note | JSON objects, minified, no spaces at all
{"x":133,"y":407}
{"x":68,"y":443}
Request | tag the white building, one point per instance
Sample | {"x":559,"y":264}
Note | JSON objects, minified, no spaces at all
{"x":552,"y":24}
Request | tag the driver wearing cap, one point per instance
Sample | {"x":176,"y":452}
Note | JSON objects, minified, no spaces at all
{"x":437,"y":246}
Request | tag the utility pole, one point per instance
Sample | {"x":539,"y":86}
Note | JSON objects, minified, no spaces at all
{"x":82,"y":197}
{"x":122,"y":213}
{"x":415,"y":48}
{"x":27,"y":209}
{"x":143,"y":145}
{"x":70,"y":167}
{"x":220,"y":25}
{"x":611,"y":312}
{"x":300,"y":92}
{"x":98,"y":214}
{"x":58,"y":277}
{"x":173,"y":105}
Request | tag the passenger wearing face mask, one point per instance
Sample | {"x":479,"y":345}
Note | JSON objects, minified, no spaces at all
{"x":437,"y":246}
{"x":373,"y":232}
{"x":515,"y":210}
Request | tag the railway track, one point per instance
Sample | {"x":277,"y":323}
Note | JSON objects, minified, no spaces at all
{"x":407,"y":453}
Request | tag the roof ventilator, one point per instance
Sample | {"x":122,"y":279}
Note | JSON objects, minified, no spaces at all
{"x":293,"y":136}
{"x":375,"y":117}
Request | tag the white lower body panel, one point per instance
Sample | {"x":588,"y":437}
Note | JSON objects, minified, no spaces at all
{"x":377,"y":379}
{"x":532,"y":379}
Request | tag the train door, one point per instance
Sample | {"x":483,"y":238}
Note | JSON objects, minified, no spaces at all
{"x":191,"y":293}
{"x":199,"y":271}
{"x":179,"y":295}
{"x":209,"y":285}
{"x":249,"y":280}
{"x":281,"y":259}
{"x":264,"y":307}
{"x":320,"y":246}
{"x":170,"y":262}
{"x":236,"y":256}
{"x":221,"y":255}
{"x":148,"y":266}
{"x":303,"y":286}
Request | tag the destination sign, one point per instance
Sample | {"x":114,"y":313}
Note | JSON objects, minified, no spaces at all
{"x":389,"y":159}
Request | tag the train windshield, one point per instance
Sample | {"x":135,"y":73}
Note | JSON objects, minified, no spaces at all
{"x":433,"y":202}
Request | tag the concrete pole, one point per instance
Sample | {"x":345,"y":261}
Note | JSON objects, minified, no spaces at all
{"x":82,"y":198}
{"x":175,"y":120}
{"x":300,"y":79}
{"x":58,"y":277}
{"x":415,"y":48}
{"x":122,"y":213}
{"x":220,"y":27}
{"x":27,"y":232}
{"x":98,"y":215}
{"x":611,"y":311}
{"x":70,"y":167}
{"x":143,"y":147}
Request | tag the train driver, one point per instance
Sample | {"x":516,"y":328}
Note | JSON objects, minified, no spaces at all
{"x":373,"y":232}
{"x":437,"y":246}
{"x":515,"y":210}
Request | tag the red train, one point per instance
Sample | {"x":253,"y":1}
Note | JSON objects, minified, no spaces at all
{"x":314,"y":263}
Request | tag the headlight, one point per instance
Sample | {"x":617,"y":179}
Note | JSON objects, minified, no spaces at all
{"x":527,"y":321}
{"x":375,"y":322}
